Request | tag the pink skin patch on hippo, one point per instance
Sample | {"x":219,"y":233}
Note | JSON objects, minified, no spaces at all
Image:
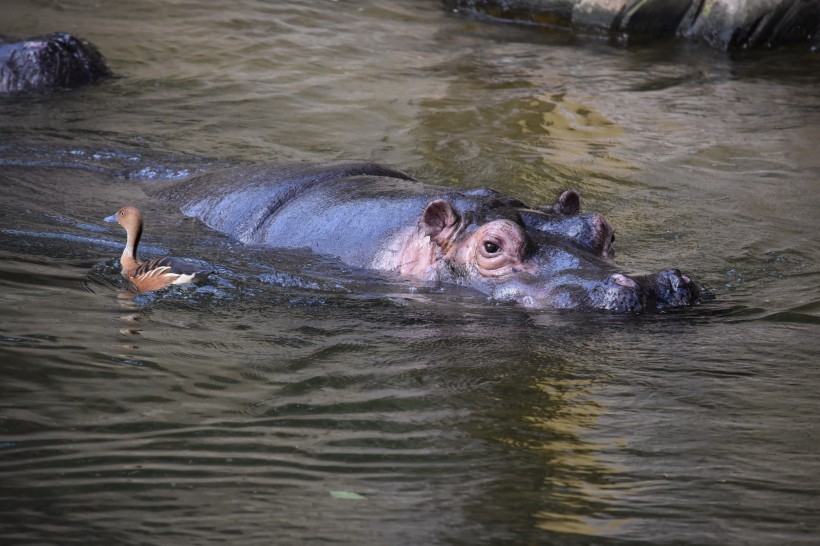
{"x":494,"y":250}
{"x":409,"y":254}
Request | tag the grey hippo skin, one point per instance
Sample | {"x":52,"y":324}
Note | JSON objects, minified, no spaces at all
{"x":48,"y":63}
{"x":375,"y":217}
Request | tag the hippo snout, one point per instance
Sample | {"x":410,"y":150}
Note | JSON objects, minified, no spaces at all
{"x":618,"y":293}
{"x":671,"y":288}
{"x":665,"y":290}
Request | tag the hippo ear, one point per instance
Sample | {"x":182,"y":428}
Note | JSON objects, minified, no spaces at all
{"x":438,"y":220}
{"x":568,"y":203}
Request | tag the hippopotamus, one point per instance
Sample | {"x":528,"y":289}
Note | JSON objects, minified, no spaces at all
{"x":371,"y":216}
{"x":48,"y":63}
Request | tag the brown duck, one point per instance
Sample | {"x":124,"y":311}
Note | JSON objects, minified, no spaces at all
{"x":153,"y":274}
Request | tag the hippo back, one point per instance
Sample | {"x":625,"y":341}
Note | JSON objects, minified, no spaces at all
{"x":344,"y":209}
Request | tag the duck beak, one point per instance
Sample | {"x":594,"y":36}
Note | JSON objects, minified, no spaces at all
{"x":112,"y":218}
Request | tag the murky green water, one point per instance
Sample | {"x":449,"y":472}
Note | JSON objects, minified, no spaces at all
{"x":296,"y":401}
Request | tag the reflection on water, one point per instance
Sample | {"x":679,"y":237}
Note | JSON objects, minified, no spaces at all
{"x":552,"y":137}
{"x":580,"y":484}
{"x":295,"y":398}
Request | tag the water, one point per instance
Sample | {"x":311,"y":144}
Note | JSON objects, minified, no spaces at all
{"x":294,"y":400}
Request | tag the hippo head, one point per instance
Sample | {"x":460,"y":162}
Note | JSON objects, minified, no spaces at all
{"x":548,"y":257}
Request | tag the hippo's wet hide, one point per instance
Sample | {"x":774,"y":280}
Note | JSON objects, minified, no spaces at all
{"x":372,"y":216}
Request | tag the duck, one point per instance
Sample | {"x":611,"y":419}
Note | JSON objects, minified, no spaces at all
{"x":153,"y":274}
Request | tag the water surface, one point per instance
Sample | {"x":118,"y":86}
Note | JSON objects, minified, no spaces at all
{"x":295,"y":400}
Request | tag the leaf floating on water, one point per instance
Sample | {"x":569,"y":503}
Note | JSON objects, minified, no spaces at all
{"x":347,"y":495}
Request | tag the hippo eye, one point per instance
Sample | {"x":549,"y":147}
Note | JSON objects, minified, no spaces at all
{"x":491,"y":248}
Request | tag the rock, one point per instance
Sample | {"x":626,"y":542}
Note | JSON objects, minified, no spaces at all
{"x":48,"y":63}
{"x":725,"y":24}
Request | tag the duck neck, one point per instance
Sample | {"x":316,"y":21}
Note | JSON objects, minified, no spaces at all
{"x":129,"y":259}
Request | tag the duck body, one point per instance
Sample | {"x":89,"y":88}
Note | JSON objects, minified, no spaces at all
{"x":152,"y":274}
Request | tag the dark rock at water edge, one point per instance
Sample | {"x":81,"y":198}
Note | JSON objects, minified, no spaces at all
{"x":47,"y":63}
{"x":725,"y":24}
